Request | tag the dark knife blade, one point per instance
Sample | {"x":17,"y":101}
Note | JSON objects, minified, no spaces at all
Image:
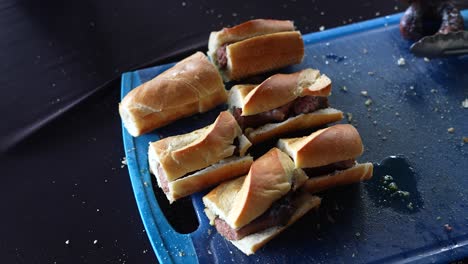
{"x":441,"y":45}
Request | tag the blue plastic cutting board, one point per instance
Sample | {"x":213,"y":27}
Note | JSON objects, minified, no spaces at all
{"x":411,"y":109}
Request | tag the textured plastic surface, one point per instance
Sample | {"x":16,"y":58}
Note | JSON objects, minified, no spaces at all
{"x":407,"y":112}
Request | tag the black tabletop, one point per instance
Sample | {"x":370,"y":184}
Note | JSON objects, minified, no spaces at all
{"x":65,"y":195}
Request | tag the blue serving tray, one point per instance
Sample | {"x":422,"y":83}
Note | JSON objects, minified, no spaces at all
{"x":411,"y":109}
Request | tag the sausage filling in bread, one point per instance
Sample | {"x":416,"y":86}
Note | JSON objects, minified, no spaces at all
{"x":301,"y":105}
{"x":221,"y":56}
{"x":254,"y":47}
{"x":278,"y":215}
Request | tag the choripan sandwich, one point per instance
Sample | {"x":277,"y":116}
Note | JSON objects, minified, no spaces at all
{"x":191,"y":86}
{"x":328,"y":157}
{"x":254,"y":47}
{"x":251,"y":210}
{"x":191,"y":162}
{"x":283,"y":103}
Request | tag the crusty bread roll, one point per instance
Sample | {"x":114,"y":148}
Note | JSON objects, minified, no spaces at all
{"x":191,"y":86}
{"x":304,"y":121}
{"x":269,"y":179}
{"x":357,"y":173}
{"x":325,"y":146}
{"x":241,"y":201}
{"x":203,"y":157}
{"x":278,"y":90}
{"x":255,"y":47}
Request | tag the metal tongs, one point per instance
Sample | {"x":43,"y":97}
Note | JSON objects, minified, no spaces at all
{"x":441,"y":45}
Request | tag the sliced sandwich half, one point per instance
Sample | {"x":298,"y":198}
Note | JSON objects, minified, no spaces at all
{"x":251,"y":210}
{"x":328,"y":156}
{"x":283,"y":103}
{"x":191,"y":162}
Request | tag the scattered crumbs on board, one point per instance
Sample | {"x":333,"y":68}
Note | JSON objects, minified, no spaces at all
{"x":124,"y":162}
{"x":448,"y":228}
{"x":401,"y":61}
{"x":465,"y":103}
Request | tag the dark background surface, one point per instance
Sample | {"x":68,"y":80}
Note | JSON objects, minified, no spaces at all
{"x":60,"y":137}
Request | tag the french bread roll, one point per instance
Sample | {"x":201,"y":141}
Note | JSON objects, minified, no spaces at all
{"x":241,"y":201}
{"x":276,"y":93}
{"x":188,"y":163}
{"x":357,"y":173}
{"x":324,"y":146}
{"x":256,"y":46}
{"x":278,"y":90}
{"x":334,"y":148}
{"x":191,"y":86}
{"x":300,"y":122}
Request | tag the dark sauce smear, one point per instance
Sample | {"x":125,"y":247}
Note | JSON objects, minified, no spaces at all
{"x":394,"y":185}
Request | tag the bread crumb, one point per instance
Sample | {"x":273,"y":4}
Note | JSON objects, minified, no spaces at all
{"x":181,"y":253}
{"x":184,"y":4}
{"x":67,"y":241}
{"x":465,"y":139}
{"x":401,"y":61}
{"x":364,"y":93}
{"x":451,"y":130}
{"x":368,"y":102}
{"x":322,"y":28}
{"x":364,"y":51}
{"x":344,"y":89}
{"x":377,"y":13}
{"x":326,"y":62}
{"x":358,"y":234}
{"x":371,"y":73}
{"x":426,"y":59}
{"x":448,"y":228}
{"x":95,"y":242}
{"x":124,"y":162}
{"x":349,"y":116}
{"x":465,"y":103}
